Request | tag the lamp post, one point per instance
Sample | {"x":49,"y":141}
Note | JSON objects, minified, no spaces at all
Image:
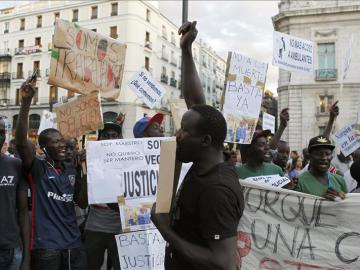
{"x":185,"y":5}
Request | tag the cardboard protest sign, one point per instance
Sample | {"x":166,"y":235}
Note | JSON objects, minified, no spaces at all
{"x":84,"y":61}
{"x":243,"y":95}
{"x":166,"y":176}
{"x":79,"y":116}
{"x":284,"y":229}
{"x":178,"y":108}
{"x":142,"y":250}
{"x":293,"y":53}
{"x":269,"y":180}
{"x":48,"y":120}
{"x":268,"y":122}
{"x":128,"y":167}
{"x":346,"y":139}
{"x":146,"y":87}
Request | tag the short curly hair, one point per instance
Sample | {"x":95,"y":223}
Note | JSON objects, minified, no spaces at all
{"x":212,"y":122}
{"x":45,"y":135}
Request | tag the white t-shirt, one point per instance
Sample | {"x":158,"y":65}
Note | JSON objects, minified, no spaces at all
{"x":350,"y":182}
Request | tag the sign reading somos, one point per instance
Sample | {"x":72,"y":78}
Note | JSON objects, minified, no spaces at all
{"x":84,"y":61}
{"x":284,"y":229}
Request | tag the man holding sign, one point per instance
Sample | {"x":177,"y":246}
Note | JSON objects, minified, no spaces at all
{"x":209,"y":203}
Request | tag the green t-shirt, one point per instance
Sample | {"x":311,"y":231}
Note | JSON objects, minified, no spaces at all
{"x":307,"y":183}
{"x":244,"y":171}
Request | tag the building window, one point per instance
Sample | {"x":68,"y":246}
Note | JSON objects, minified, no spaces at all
{"x":173,"y":38}
{"x":148,"y":15}
{"x":164,"y":54}
{"x":164,"y":77}
{"x":147,"y":63}
{"x":21,"y":43}
{"x":17,"y":100}
{"x":114,"y":9}
{"x":19,"y":71}
{"x":22,"y":24}
{"x":325,"y":103}
{"x":94,"y":30}
{"x":36,"y":96}
{"x":164,"y":34}
{"x":147,"y":40}
{"x":39,"y":21}
{"x":57,"y":16}
{"x":36,"y":65}
{"x":321,"y":129}
{"x":53,"y":94}
{"x":38,"y":41}
{"x":7,"y":24}
{"x":94,"y":12}
{"x":113,"y":32}
{"x":326,"y":52}
{"x":75,"y":17}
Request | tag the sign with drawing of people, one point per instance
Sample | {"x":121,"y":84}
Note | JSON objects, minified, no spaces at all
{"x":245,"y":82}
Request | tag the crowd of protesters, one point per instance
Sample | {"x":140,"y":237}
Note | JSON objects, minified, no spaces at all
{"x":201,"y":230}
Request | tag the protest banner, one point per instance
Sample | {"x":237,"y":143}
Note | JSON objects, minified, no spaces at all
{"x":142,"y":250}
{"x":166,"y":176}
{"x":178,"y":108}
{"x":274,"y":180}
{"x":48,"y":120}
{"x":147,"y":88}
{"x":84,"y":61}
{"x":243,"y":95}
{"x":128,"y":167}
{"x":346,"y":139}
{"x":79,"y":116}
{"x":268,"y":122}
{"x":293,"y":53}
{"x":284,"y":229}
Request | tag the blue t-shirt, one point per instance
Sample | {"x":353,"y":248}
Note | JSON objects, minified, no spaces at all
{"x":54,"y":220}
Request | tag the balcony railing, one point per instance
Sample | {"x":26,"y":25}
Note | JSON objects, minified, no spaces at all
{"x":5,"y":52}
{"x":148,"y":44}
{"x":164,"y":78}
{"x":6,"y":31}
{"x":322,"y":111}
{"x":22,"y":28}
{"x":326,"y":75}
{"x":165,"y":56}
{"x":173,"y":82}
{"x":75,"y":19}
{"x":5,"y":76}
{"x":114,"y":13}
{"x":28,"y":50}
{"x":39,"y":25}
{"x":18,"y":75}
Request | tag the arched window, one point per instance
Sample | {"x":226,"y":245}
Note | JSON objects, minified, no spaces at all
{"x":34,"y":121}
{"x":109,"y":116}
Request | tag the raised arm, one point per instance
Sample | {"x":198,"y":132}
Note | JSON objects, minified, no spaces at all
{"x":284,"y":119}
{"x":192,"y":89}
{"x":27,"y":91}
{"x":334,"y":112}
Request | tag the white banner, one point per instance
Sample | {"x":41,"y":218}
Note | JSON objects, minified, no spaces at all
{"x":274,"y":180}
{"x":146,"y":87}
{"x":128,"y":167}
{"x":245,"y":84}
{"x":293,"y":53}
{"x":48,"y":120}
{"x":268,"y":122}
{"x":142,"y":250}
{"x":346,"y":139}
{"x":284,"y":229}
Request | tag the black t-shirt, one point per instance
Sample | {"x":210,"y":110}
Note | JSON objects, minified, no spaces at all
{"x":208,"y":207}
{"x":11,"y":181}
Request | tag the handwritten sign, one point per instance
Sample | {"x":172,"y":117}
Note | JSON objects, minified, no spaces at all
{"x":48,"y":120}
{"x":128,"y":167}
{"x":84,"y":61}
{"x":79,"y":116}
{"x":269,"y":180}
{"x":142,"y":250}
{"x":268,"y":122}
{"x":346,"y":139}
{"x":293,"y":53}
{"x":243,"y":95}
{"x":284,"y":229}
{"x":146,"y":87}
{"x":178,"y":108}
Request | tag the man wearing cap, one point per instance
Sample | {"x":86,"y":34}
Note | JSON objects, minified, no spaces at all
{"x":256,"y":155}
{"x":148,"y":127}
{"x":318,"y":181}
{"x":103,"y":221}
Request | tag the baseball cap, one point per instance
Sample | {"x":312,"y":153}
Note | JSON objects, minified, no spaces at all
{"x":260,"y":133}
{"x":111,"y":125}
{"x":320,"y":141}
{"x":142,"y":124}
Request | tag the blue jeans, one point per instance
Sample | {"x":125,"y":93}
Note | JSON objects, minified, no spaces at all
{"x":10,"y":259}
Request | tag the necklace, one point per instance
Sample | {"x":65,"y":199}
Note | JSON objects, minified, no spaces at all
{"x":52,"y":166}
